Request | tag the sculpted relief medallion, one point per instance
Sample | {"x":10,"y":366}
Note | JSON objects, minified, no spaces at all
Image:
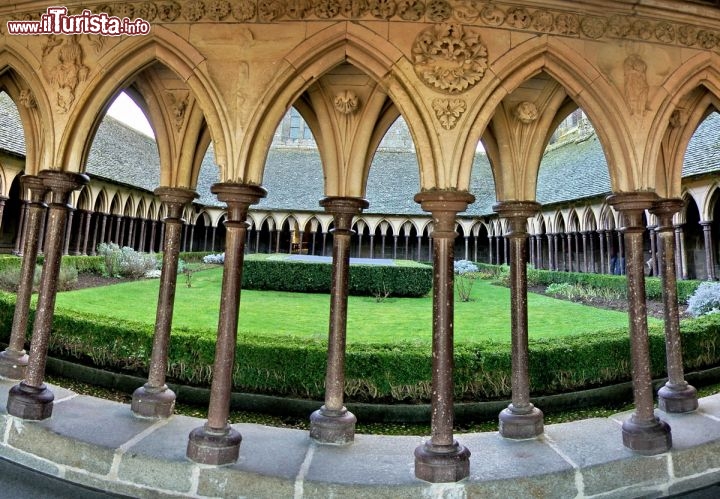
{"x":449,"y":58}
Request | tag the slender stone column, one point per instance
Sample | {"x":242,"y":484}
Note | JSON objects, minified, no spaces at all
{"x":103,"y":224}
{"x":80,"y":230}
{"x":577,"y":251}
{"x":506,"y":251}
{"x":603,"y":267}
{"x":314,"y":237}
{"x":562,"y":252}
{"x":257,"y":240}
{"x":653,"y":251}
{"x":86,"y":232}
{"x":677,"y":395}
{"x":681,"y":256}
{"x":608,"y":245}
{"x":212,"y":240}
{"x":442,"y":458}
{"x":539,"y":252}
{"x":584,"y":235}
{"x":14,"y":359}
{"x":407,"y":246}
{"x":395,"y":239}
{"x":3,"y":199}
{"x":154,"y":399}
{"x":551,"y":251}
{"x":569,"y":264}
{"x":216,"y":442}
{"x":31,"y":398}
{"x":533,"y":252}
{"x":153,"y":231}
{"x":162,"y":234}
{"x":709,"y":251}
{"x":93,"y":243}
{"x":520,"y":419}
{"x":68,"y":231}
{"x":372,"y":246}
{"x":143,"y":234}
{"x":382,"y":245}
{"x":642,"y":432}
{"x":43,"y":233}
{"x":21,"y":229}
{"x":333,"y":423}
{"x":491,"y":239}
{"x":131,"y":232}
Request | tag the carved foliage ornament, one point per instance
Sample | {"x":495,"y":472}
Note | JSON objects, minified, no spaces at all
{"x":448,"y":111}
{"x":449,"y":58}
{"x":346,"y":102}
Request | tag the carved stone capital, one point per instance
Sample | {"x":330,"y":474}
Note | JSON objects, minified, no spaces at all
{"x":632,"y":205}
{"x":444,"y":205}
{"x":517,"y":213}
{"x":664,"y":209}
{"x":175,"y":198}
{"x":35,"y":186}
{"x":60,"y":184}
{"x":238,"y":198}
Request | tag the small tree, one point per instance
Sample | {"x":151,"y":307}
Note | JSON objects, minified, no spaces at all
{"x":465,"y":274}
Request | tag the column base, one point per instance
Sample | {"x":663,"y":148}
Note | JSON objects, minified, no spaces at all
{"x":13,"y":365}
{"x":647,"y":438}
{"x":209,"y":446}
{"x":152,"y":402}
{"x":677,"y":400}
{"x":332,"y":427}
{"x":442,"y":464}
{"x":521,"y":424}
{"x":30,"y":402}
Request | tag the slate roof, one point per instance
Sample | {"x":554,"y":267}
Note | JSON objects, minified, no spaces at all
{"x":294,"y":178}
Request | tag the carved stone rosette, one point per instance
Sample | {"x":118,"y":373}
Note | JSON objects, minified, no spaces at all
{"x":449,"y":58}
{"x":526,"y":112}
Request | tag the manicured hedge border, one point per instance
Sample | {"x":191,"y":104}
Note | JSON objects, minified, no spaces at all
{"x":83,"y":264}
{"x":398,"y":372}
{"x":653,"y":285}
{"x":270,"y":272}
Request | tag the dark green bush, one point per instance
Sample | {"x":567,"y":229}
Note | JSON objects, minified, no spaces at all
{"x":311,"y":277}
{"x":393,"y":372}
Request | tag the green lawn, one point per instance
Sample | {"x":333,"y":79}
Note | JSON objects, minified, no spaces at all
{"x":270,"y":312}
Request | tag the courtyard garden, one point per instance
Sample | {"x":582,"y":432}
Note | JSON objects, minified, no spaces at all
{"x":282,"y":336}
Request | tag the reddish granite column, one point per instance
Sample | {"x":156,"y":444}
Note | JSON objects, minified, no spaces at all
{"x":155,"y":399}
{"x":677,"y":395}
{"x":520,"y":419}
{"x":14,"y":359}
{"x":681,"y":254}
{"x":216,"y":442}
{"x":31,"y":399}
{"x":333,"y":423}
{"x":442,"y":458}
{"x":86,"y":232}
{"x":642,"y":432}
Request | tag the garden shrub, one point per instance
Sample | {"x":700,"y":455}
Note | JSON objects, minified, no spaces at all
{"x":411,"y":280}
{"x":615,"y":283}
{"x":216,"y":259}
{"x":125,"y":261}
{"x":10,"y":278}
{"x":705,"y":300}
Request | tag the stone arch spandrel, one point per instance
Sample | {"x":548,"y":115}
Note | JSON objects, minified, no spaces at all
{"x":685,"y":95}
{"x":583,"y":83}
{"x":339,"y":43}
{"x":19,"y":77}
{"x":118,"y":65}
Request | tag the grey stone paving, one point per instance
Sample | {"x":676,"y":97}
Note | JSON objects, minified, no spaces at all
{"x":100,"y":444}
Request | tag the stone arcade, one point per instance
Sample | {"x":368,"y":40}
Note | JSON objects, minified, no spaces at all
{"x":459,"y":72}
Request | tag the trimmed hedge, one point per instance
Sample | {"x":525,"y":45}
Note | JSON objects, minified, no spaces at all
{"x":653,"y":285}
{"x":83,"y":264}
{"x":410,"y":280}
{"x":398,"y":372}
